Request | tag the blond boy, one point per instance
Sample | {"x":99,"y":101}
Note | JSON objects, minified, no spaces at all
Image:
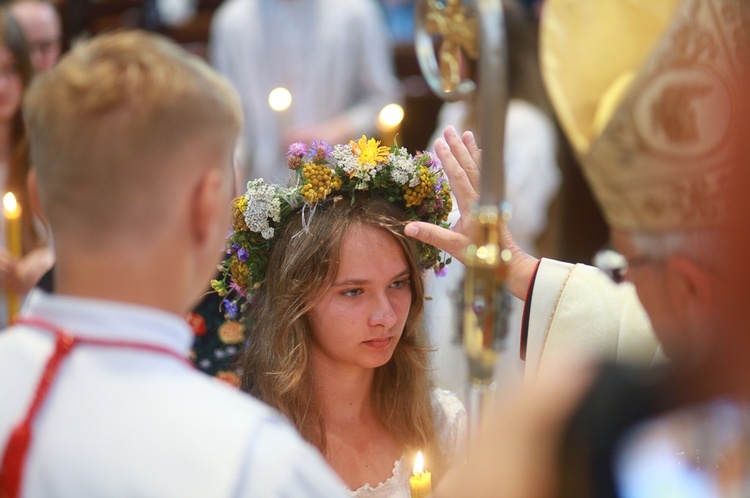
{"x":132,"y":140}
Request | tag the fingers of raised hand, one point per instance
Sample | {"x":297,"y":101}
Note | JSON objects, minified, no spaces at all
{"x":463,"y":153}
{"x":450,"y":241}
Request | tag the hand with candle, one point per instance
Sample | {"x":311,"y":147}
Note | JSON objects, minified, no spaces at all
{"x":420,"y":483}
{"x":13,"y":242}
{"x":8,"y":279}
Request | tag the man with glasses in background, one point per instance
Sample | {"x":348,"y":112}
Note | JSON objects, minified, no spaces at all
{"x":42,"y":28}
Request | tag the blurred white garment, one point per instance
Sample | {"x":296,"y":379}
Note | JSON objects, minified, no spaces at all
{"x":532,"y":180}
{"x":176,"y":12}
{"x":697,"y":452}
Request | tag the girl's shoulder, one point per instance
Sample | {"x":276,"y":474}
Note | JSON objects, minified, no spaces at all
{"x":450,"y":422}
{"x":447,"y":406}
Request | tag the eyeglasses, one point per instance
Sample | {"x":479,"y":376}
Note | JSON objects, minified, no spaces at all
{"x":616,"y":265}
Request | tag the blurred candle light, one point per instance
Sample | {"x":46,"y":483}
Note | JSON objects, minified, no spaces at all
{"x":421,"y":482}
{"x":280,"y":100}
{"x":12,"y":212}
{"x":389,"y":123}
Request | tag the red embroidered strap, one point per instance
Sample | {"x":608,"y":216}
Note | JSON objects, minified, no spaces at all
{"x":14,"y":458}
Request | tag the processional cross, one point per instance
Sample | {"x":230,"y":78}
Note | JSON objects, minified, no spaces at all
{"x":459,"y":33}
{"x":477,"y":28}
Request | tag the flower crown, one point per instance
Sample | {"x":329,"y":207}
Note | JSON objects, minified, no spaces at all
{"x":416,"y":182}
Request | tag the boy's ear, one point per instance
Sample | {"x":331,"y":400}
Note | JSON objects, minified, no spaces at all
{"x":207,"y":206}
{"x":34,"y":200}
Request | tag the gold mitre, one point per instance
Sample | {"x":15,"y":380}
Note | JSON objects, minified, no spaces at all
{"x":644,"y":90}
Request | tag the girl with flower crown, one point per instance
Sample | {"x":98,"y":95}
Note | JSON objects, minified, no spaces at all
{"x":334,"y":291}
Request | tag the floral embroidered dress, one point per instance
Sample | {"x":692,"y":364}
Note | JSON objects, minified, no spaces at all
{"x":452,"y":429}
{"x":218,"y":341}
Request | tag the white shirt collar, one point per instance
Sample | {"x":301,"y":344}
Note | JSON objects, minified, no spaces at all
{"x":110,"y":320}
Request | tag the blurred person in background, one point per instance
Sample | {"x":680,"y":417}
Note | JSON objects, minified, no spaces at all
{"x":42,"y":27}
{"x":334,"y":58}
{"x":18,"y":272}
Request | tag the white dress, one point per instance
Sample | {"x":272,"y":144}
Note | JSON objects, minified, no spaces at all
{"x":451,"y":425}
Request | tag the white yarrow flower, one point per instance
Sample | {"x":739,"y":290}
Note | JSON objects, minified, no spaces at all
{"x":403,"y":169}
{"x":263,"y":204}
{"x":345,"y":158}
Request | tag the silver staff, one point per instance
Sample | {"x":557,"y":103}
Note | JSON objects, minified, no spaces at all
{"x":476,"y":28}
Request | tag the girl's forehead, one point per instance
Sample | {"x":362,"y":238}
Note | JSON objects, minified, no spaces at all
{"x":370,"y":249}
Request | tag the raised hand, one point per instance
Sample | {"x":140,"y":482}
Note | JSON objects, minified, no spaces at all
{"x":461,"y":159}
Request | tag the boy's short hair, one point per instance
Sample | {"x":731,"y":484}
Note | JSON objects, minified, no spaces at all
{"x":103,"y":121}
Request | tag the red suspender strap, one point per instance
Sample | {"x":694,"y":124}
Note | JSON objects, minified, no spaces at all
{"x":18,"y":444}
{"x":14,"y":458}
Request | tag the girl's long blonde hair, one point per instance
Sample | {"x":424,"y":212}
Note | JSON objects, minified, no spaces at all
{"x":302,"y":265}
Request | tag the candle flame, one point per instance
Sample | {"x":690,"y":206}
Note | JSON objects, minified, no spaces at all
{"x":418,"y":463}
{"x":390,"y":116}
{"x":280,"y":99}
{"x":10,"y":205}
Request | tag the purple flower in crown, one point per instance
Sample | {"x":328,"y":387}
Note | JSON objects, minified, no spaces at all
{"x":233,"y":285}
{"x":295,"y":153}
{"x":243,"y":255}
{"x":233,"y":248}
{"x":297,"y":149}
{"x":320,"y":151}
{"x":230,"y":309}
{"x":433,"y":162}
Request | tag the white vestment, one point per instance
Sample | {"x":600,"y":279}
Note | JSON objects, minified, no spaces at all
{"x":577,"y":310}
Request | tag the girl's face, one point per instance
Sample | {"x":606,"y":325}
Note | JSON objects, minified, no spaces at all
{"x":361,"y":317}
{"x":11,"y":86}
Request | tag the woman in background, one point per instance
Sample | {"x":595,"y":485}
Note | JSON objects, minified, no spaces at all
{"x":18,"y":273}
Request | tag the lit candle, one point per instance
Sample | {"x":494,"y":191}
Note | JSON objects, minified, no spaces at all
{"x":280,"y":100}
{"x":12,"y":211}
{"x":389,"y":123}
{"x":421,"y":482}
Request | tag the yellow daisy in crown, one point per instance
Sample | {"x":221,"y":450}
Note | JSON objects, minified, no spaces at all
{"x":370,"y":151}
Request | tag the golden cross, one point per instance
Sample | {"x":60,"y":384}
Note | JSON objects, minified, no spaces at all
{"x":459,"y":32}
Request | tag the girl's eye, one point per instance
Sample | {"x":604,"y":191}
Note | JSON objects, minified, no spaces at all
{"x":352,"y":292}
{"x":399,"y":284}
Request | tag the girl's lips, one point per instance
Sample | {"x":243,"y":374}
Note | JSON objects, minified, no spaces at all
{"x":380,"y":342}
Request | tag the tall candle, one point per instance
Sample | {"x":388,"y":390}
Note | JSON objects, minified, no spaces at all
{"x":421,"y":482}
{"x":12,"y":211}
{"x":389,"y":123}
